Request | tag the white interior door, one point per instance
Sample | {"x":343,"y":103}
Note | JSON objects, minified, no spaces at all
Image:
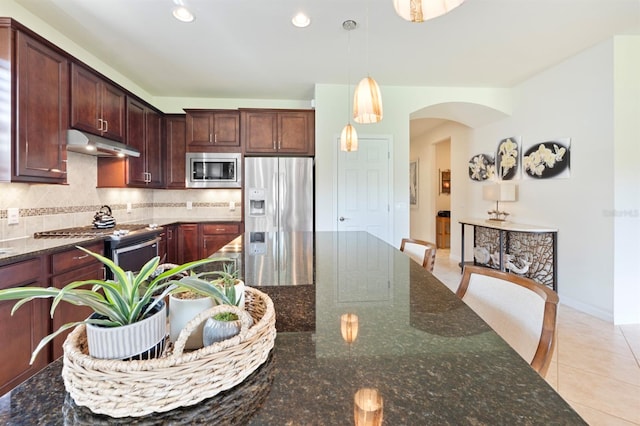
{"x":364,"y":188}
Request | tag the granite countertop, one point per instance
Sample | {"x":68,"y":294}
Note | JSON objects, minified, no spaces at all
{"x":430,"y":357}
{"x":18,"y":249}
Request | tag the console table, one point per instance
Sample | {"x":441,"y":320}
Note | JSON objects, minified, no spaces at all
{"x":527,"y":250}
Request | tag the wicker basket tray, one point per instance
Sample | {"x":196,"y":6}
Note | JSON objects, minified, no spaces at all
{"x":177,"y":379}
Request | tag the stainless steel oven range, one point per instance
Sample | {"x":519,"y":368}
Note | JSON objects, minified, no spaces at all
{"x":129,"y":245}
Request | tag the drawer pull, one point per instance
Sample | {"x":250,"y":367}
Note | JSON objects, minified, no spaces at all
{"x":80,"y":257}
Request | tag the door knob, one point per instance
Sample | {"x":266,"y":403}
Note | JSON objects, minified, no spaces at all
{"x":342,"y":218}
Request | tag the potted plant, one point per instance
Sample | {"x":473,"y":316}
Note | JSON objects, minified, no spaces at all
{"x":130,"y":305}
{"x":224,"y":325}
{"x":197,"y":293}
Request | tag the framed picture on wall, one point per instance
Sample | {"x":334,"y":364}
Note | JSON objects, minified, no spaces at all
{"x":413,"y":183}
{"x":445,"y":181}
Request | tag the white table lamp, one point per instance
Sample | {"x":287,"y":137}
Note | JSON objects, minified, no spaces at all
{"x":503,"y":191}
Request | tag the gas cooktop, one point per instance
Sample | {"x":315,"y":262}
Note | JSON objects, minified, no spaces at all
{"x":117,"y":231}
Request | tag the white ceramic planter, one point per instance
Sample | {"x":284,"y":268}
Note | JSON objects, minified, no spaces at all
{"x":181,"y":311}
{"x":217,"y":331}
{"x":142,"y":340}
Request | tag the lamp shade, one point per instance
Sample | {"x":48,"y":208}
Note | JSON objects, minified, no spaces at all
{"x":505,"y":191}
{"x":349,"y":139}
{"x":367,"y":102}
{"x":422,"y":10}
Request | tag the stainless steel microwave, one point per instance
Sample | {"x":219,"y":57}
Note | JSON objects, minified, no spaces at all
{"x":213,"y":170}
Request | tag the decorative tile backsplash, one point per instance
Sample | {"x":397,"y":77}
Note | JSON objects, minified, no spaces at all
{"x":45,"y":207}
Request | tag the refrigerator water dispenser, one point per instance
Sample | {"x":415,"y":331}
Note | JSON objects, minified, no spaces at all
{"x":256,"y":202}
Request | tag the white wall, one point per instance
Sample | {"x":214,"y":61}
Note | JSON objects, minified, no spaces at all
{"x":398,"y":103}
{"x":626,"y":193}
{"x":425,"y":147}
{"x":573,"y":99}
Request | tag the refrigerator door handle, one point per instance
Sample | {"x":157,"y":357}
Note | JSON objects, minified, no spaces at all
{"x":274,"y":199}
{"x":282,"y":189}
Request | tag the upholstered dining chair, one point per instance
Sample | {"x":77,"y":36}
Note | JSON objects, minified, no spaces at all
{"x":422,"y":252}
{"x":522,"y":311}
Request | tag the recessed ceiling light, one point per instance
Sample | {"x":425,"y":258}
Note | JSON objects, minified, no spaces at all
{"x":301,"y":20}
{"x":183,"y":14}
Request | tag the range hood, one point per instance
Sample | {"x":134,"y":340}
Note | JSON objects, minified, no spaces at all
{"x":86,"y":143}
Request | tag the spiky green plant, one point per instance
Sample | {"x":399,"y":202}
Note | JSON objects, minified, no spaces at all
{"x":126,"y":299}
{"x":221,"y":288}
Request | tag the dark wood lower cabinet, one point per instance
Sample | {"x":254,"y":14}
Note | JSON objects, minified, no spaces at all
{"x":217,"y":235}
{"x":21,"y":333}
{"x":188,"y":243}
{"x":198,"y":241}
{"x":169,"y":244}
{"x":68,"y":266}
{"x":65,"y":312}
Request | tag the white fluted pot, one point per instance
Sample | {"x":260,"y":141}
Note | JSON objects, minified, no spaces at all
{"x":141,"y":340}
{"x":181,"y":311}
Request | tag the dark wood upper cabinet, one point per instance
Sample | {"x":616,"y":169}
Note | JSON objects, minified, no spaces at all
{"x":144,"y":131}
{"x":212,"y":130}
{"x":97,"y":106}
{"x":175,"y":148}
{"x":36,"y":95}
{"x":278,"y":132}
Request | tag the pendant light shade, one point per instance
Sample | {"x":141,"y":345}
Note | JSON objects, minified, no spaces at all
{"x":349,"y":139}
{"x":349,"y":327}
{"x":367,"y":102}
{"x":423,"y":10}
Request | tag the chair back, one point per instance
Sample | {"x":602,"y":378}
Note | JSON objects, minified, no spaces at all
{"x":421,"y":251}
{"x":522,"y":311}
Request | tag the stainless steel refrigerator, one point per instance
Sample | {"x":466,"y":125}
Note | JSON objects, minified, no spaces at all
{"x":278,"y":220}
{"x":278,"y":194}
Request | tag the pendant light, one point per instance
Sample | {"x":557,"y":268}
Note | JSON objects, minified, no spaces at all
{"x":367,"y":100}
{"x":349,"y":136}
{"x":423,"y":10}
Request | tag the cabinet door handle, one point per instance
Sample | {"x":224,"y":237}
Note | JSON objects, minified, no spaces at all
{"x":210,"y":137}
{"x":274,"y":144}
{"x":279,"y":143}
{"x":106,"y":126}
{"x":100,"y":123}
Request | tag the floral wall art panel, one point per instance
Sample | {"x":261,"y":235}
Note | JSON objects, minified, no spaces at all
{"x":507,"y":158}
{"x":481,"y":167}
{"x":545,"y":160}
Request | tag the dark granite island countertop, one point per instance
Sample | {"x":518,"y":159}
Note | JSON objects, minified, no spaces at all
{"x":431,"y":358}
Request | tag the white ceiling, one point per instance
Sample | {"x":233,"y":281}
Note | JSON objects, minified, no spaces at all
{"x":249,"y":49}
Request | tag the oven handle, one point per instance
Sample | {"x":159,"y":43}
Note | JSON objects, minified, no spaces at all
{"x":126,"y":249}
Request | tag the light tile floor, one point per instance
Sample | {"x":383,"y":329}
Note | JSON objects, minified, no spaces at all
{"x":596,"y":365}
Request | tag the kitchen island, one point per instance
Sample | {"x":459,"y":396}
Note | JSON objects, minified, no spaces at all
{"x":432,"y":360}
